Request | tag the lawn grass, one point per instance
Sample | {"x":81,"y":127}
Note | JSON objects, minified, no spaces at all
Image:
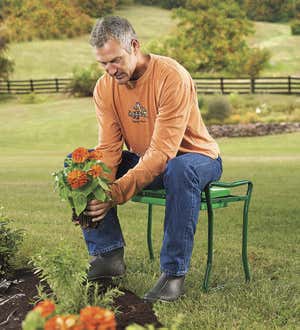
{"x":284,"y":48}
{"x":34,"y":140}
{"x":57,"y":58}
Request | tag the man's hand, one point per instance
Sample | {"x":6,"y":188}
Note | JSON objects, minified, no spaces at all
{"x":98,"y":210}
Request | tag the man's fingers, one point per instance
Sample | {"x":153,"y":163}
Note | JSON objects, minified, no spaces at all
{"x":98,"y":218}
{"x":97,"y":206}
{"x":94,"y":202}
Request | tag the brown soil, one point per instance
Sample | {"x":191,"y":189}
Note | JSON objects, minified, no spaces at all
{"x":17,"y":301}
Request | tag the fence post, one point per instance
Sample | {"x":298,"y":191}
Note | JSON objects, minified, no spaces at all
{"x":222,"y":85}
{"x":252,"y":85}
{"x":57,"y":85}
{"x":8,"y":86}
{"x":31,"y":85}
{"x":289,"y":85}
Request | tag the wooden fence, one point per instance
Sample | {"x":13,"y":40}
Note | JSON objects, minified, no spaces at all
{"x":267,"y":85}
{"x":38,"y":86}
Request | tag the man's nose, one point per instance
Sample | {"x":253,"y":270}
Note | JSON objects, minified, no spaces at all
{"x":111,"y":69}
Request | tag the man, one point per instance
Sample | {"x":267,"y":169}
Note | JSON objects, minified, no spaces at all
{"x":149,"y":103}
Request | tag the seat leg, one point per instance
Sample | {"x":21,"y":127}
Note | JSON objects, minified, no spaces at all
{"x":149,"y":232}
{"x":245,"y":233}
{"x":210,"y":240}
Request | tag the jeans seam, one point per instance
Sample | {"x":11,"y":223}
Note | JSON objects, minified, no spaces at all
{"x":188,"y":226}
{"x":107,"y":249}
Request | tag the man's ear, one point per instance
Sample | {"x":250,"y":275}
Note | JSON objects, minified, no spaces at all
{"x":135,"y":45}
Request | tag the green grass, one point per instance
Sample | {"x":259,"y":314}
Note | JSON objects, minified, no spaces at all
{"x":57,"y":58}
{"x":33,"y":142}
{"x":284,"y":48}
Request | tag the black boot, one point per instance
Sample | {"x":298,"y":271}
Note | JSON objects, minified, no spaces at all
{"x":167,"y":288}
{"x":107,"y":265}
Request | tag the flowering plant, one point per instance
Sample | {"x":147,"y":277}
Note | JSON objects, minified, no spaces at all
{"x":43,"y":316}
{"x":82,"y":179}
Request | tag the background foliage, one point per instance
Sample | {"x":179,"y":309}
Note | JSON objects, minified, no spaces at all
{"x":10,"y":240}
{"x":211,"y":37}
{"x":46,"y":19}
{"x":270,"y":10}
{"x":6,"y":65}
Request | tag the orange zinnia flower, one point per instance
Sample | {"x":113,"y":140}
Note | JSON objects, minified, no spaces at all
{"x":45,"y":307}
{"x":67,"y":322}
{"x":95,"y":171}
{"x":96,"y":154}
{"x":80,"y":155}
{"x":77,"y":178}
{"x":97,"y":318}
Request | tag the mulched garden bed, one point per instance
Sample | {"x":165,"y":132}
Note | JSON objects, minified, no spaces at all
{"x":17,"y":300}
{"x":257,"y":129}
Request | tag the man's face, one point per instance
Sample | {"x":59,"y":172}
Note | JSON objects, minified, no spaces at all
{"x":116,"y":61}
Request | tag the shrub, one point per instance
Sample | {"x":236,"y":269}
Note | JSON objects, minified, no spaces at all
{"x":6,"y":64}
{"x":234,"y":99}
{"x":249,"y":117}
{"x":233,"y":119}
{"x":96,"y":8}
{"x":200,"y":101}
{"x":270,"y":10}
{"x":66,"y":275}
{"x":46,"y":20}
{"x":219,"y":109}
{"x":84,"y":80}
{"x":31,"y":98}
{"x":295,"y":27}
{"x":9,"y":242}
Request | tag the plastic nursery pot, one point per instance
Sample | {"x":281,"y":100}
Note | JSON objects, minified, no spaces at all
{"x":83,"y":220}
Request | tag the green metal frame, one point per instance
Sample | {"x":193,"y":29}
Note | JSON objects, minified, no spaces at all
{"x":215,"y":195}
{"x":227,"y":199}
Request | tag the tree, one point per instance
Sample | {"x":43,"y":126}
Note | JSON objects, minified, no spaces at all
{"x":6,"y":65}
{"x":270,"y":10}
{"x":46,"y":19}
{"x":211,"y":37}
{"x":96,"y":8}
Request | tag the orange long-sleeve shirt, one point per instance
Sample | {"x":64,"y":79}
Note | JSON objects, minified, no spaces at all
{"x":156,"y":118}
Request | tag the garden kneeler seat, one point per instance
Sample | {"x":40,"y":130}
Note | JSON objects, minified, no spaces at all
{"x":215,"y":195}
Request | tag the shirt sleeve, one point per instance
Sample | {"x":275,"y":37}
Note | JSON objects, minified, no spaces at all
{"x":175,"y":104}
{"x":110,"y":140}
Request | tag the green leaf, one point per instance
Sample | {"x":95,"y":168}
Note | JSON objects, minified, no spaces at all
{"x":102,"y":184}
{"x":80,"y":201}
{"x":99,"y":194}
{"x":64,"y":193}
{"x":105,"y":168}
{"x":88,"y":188}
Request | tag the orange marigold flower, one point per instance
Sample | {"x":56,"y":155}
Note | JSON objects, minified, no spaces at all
{"x":80,"y":155}
{"x":45,"y":307}
{"x":97,"y":318}
{"x":67,"y":322}
{"x":96,"y":154}
{"x":77,"y":178}
{"x":95,"y":171}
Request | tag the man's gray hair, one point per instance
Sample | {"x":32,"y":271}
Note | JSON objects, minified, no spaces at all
{"x":112,"y":27}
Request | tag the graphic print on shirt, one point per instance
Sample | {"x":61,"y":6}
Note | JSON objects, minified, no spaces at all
{"x":139,"y":113}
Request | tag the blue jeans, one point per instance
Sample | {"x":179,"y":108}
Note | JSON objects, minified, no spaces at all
{"x":184,"y":178}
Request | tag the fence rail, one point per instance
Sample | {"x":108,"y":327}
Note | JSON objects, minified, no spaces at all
{"x":261,"y":85}
{"x":56,"y":85}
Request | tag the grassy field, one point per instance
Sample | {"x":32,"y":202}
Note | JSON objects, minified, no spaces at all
{"x":57,"y":58}
{"x":34,"y":140}
{"x":284,"y":48}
